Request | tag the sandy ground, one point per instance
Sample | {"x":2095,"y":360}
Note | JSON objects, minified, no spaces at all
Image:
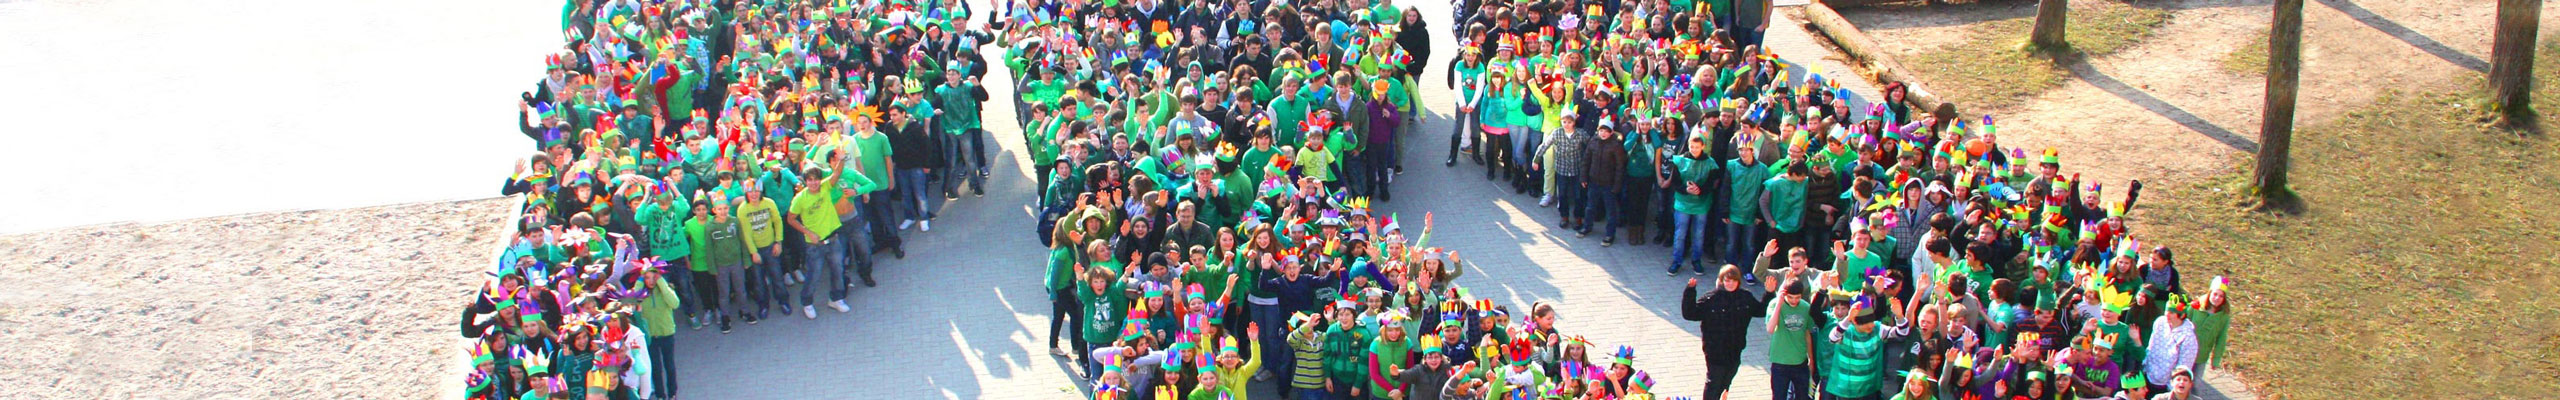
{"x":157,"y":110}
{"x":353,"y":303}
{"x":2162,"y":109}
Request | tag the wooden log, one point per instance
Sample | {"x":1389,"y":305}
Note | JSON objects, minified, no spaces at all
{"x":1872,"y":59}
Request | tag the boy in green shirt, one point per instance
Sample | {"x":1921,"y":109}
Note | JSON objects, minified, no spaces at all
{"x":1742,"y":214}
{"x":1782,"y":204}
{"x":1689,"y":190}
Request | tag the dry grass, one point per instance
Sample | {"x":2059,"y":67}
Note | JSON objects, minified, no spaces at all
{"x":2423,"y":267}
{"x":2250,"y":59}
{"x":1992,"y":71}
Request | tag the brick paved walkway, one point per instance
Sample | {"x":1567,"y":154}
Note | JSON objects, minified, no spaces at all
{"x":964,"y":317}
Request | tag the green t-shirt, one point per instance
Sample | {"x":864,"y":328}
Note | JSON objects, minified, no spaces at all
{"x":1743,"y":207}
{"x":1854,"y":268}
{"x":871,"y":155}
{"x":1255,"y":157}
{"x":1786,"y":203}
{"x":1789,"y":345}
{"x":1316,"y":164}
{"x":816,"y":210}
{"x":1691,"y":171}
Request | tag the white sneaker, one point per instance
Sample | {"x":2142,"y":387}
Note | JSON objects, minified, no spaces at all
{"x":800,"y":276}
{"x":902,"y":225}
{"x":809,"y":311}
{"x":927,"y":225}
{"x":840,"y":307}
{"x":1547,"y":200}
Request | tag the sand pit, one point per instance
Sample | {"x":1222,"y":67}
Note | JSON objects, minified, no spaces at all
{"x":351,"y":303}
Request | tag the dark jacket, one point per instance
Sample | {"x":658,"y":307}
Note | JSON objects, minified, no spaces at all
{"x":1296,"y":295}
{"x":1724,"y":321}
{"x":912,"y":147}
{"x":1608,"y":162}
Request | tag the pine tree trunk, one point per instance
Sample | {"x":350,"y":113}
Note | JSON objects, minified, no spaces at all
{"x":2511,"y":61}
{"x":2275,"y":131}
{"x":2051,"y":17}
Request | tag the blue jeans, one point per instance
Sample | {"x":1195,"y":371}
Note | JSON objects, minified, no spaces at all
{"x":911,"y":189}
{"x":1275,"y":349}
{"x":1739,"y":239}
{"x":680,"y":272}
{"x":1318,"y":394}
{"x":1524,"y":141}
{"x":1569,"y":201}
{"x":854,"y":236}
{"x":826,"y":267}
{"x":1685,"y":246}
{"x":958,"y":158}
{"x":882,"y":211}
{"x":1790,"y":382}
{"x":767,"y":274}
{"x":1604,"y":210}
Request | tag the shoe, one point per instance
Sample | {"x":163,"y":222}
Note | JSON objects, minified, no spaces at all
{"x":1061,"y":353}
{"x":1606,"y":241}
{"x":1452,"y":162}
{"x":926,"y":226}
{"x":982,"y":173}
{"x":904,"y":224}
{"x":1698,"y":271}
{"x":803,"y":276}
{"x":809,"y":311}
{"x":867,"y":282}
{"x":695,"y":323}
{"x":752,"y":319}
{"x":840,"y":307}
{"x":981,"y":193}
{"x":901,"y":252}
{"x":724,"y":326}
{"x":1750,"y":279}
{"x":950,"y":195}
{"x":1581,"y":234}
{"x":1675,"y":271}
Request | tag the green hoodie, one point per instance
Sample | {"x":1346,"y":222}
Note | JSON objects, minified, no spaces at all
{"x":728,"y":243}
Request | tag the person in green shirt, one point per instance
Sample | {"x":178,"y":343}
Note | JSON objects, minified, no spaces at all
{"x":1315,"y":161}
{"x":1852,"y":260}
{"x":728,"y":254}
{"x":1782,"y":204}
{"x":1288,"y":111}
{"x":762,"y":223}
{"x":1790,"y":328}
{"x":813,"y":214}
{"x":1742,"y":214}
{"x":958,"y":99}
{"x":1689,"y":186}
{"x":1387,"y":354}
{"x":1856,"y":367}
{"x":1105,"y":297}
{"x":704,"y":286}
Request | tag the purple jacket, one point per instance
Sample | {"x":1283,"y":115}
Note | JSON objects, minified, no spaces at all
{"x":1383,"y":120}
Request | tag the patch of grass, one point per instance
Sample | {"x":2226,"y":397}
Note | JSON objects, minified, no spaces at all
{"x":1990,"y":71}
{"x":2423,"y":267}
{"x":2250,"y":59}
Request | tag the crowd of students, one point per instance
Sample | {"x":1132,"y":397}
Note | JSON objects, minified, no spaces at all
{"x":1209,"y":170}
{"x":698,"y":159}
{"x":1900,"y":253}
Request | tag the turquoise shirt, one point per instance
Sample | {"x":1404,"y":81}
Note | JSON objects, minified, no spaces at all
{"x":1786,"y":203}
